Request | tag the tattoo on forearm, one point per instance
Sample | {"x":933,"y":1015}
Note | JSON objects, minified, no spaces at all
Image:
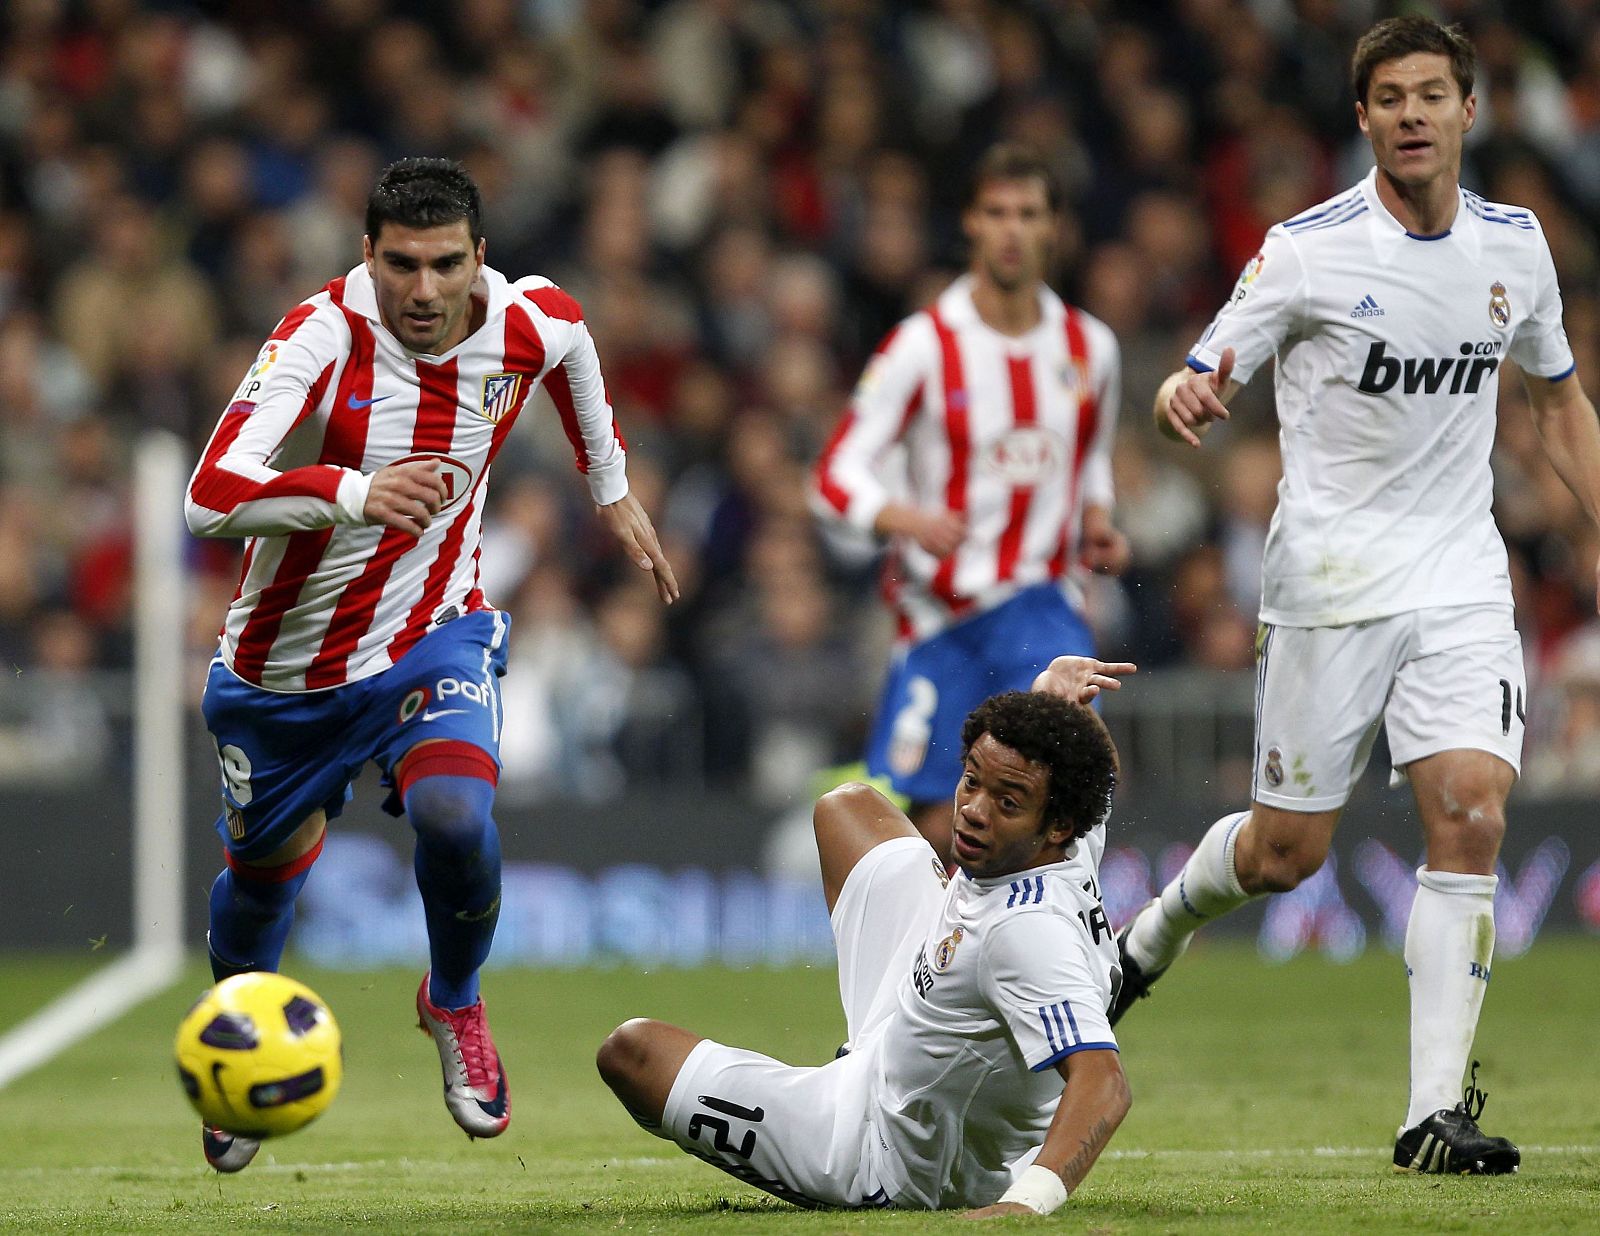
{"x":1077,"y":1167}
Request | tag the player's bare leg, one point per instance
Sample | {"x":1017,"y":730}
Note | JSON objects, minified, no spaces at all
{"x":849,"y":822}
{"x":1449,"y":947}
{"x":1277,"y":850}
{"x":1264,"y":850}
{"x":640,"y":1060}
{"x":937,"y":826}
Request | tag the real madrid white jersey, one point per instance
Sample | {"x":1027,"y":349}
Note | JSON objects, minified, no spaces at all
{"x":1388,"y":348}
{"x":1015,"y":974}
{"x":1013,"y":433}
{"x":333,"y":397}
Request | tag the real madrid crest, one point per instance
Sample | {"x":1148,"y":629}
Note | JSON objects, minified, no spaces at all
{"x":1499,"y":305}
{"x":946,"y":952}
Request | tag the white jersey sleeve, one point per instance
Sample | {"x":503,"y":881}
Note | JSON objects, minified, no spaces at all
{"x":1039,"y":980}
{"x":1267,"y":307}
{"x":1540,"y":344}
{"x":848,"y":484}
{"x":236,"y":490}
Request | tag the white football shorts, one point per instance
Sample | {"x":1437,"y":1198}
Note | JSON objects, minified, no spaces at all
{"x":804,"y":1133}
{"x":1442,"y":679}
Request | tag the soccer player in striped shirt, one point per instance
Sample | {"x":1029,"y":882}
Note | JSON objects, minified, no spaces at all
{"x":978,"y":440}
{"x":1386,"y":592}
{"x":355,"y":458}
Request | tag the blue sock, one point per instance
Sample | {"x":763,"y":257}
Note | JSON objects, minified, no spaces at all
{"x":250,"y":921}
{"x":458,"y":874}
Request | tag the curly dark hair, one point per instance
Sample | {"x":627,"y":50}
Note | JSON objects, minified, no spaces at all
{"x":1395,"y":37}
{"x":423,"y":193}
{"x":1068,"y":740}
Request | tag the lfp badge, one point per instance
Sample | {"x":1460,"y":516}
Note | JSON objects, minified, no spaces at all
{"x":500,"y":391}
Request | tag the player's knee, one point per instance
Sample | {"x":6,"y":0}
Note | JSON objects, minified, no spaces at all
{"x":625,"y":1054}
{"x":843,"y":807}
{"x":1468,"y":822}
{"x":1283,"y":873}
{"x":1278,"y":868}
{"x":450,"y":809}
{"x":252,"y":895}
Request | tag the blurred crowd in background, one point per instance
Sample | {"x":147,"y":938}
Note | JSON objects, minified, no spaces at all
{"x":745,"y":195}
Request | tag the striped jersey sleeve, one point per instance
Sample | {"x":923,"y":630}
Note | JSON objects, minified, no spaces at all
{"x":236,"y":490}
{"x":1097,"y":417}
{"x":576,"y":387}
{"x":847,"y":483}
{"x":1039,"y":979}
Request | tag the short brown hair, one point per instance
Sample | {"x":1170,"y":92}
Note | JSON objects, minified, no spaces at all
{"x":1395,"y":37}
{"x":1013,"y":161}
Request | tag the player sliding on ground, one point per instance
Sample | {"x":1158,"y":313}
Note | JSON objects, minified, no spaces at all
{"x":1386,"y":593}
{"x":968,"y":1001}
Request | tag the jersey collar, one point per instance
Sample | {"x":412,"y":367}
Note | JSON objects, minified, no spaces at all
{"x":1005,"y":881}
{"x":1380,"y":212}
{"x":958,"y":310}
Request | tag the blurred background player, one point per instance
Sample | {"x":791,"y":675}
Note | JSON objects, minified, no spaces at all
{"x":355,"y":456}
{"x":1386,"y":590}
{"x":979,"y":1064}
{"x":978,"y":440}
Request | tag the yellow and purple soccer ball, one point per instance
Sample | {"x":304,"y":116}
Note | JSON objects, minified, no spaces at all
{"x":259,"y":1055}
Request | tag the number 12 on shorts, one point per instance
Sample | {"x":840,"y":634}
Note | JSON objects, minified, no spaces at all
{"x":719,"y":1127}
{"x":1506,"y":704}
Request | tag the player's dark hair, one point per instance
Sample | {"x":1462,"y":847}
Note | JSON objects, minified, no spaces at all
{"x":1395,"y":37}
{"x":1067,"y":740}
{"x":423,"y":193}
{"x":1013,"y":161}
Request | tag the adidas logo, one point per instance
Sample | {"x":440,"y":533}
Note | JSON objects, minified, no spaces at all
{"x":1368,"y":308}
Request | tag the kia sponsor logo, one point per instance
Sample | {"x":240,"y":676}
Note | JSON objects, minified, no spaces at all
{"x":1027,"y":455}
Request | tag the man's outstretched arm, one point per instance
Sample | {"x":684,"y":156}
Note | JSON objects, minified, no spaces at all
{"x":1570,"y":435}
{"x":1093,"y":1104}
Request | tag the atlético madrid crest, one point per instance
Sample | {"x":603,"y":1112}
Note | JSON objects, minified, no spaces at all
{"x":500,"y":391}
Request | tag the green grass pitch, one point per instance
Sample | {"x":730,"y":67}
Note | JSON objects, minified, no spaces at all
{"x":1265,"y":1100}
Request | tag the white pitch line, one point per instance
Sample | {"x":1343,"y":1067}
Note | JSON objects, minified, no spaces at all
{"x":175,"y":1171}
{"x":1308,"y":1152}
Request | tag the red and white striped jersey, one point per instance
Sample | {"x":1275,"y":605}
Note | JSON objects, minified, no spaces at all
{"x":1013,"y":433}
{"x":332,"y":397}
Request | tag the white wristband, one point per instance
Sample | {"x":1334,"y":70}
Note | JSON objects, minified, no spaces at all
{"x":1038,"y":1188}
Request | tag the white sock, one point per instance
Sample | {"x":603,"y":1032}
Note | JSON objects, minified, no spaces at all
{"x":1449,"y":944}
{"x":1206,"y":888}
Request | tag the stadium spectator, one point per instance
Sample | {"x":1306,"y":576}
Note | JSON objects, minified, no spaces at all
{"x":157,"y":104}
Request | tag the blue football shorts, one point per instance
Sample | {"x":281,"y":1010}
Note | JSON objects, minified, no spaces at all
{"x":932,"y":686}
{"x":285,"y":754}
